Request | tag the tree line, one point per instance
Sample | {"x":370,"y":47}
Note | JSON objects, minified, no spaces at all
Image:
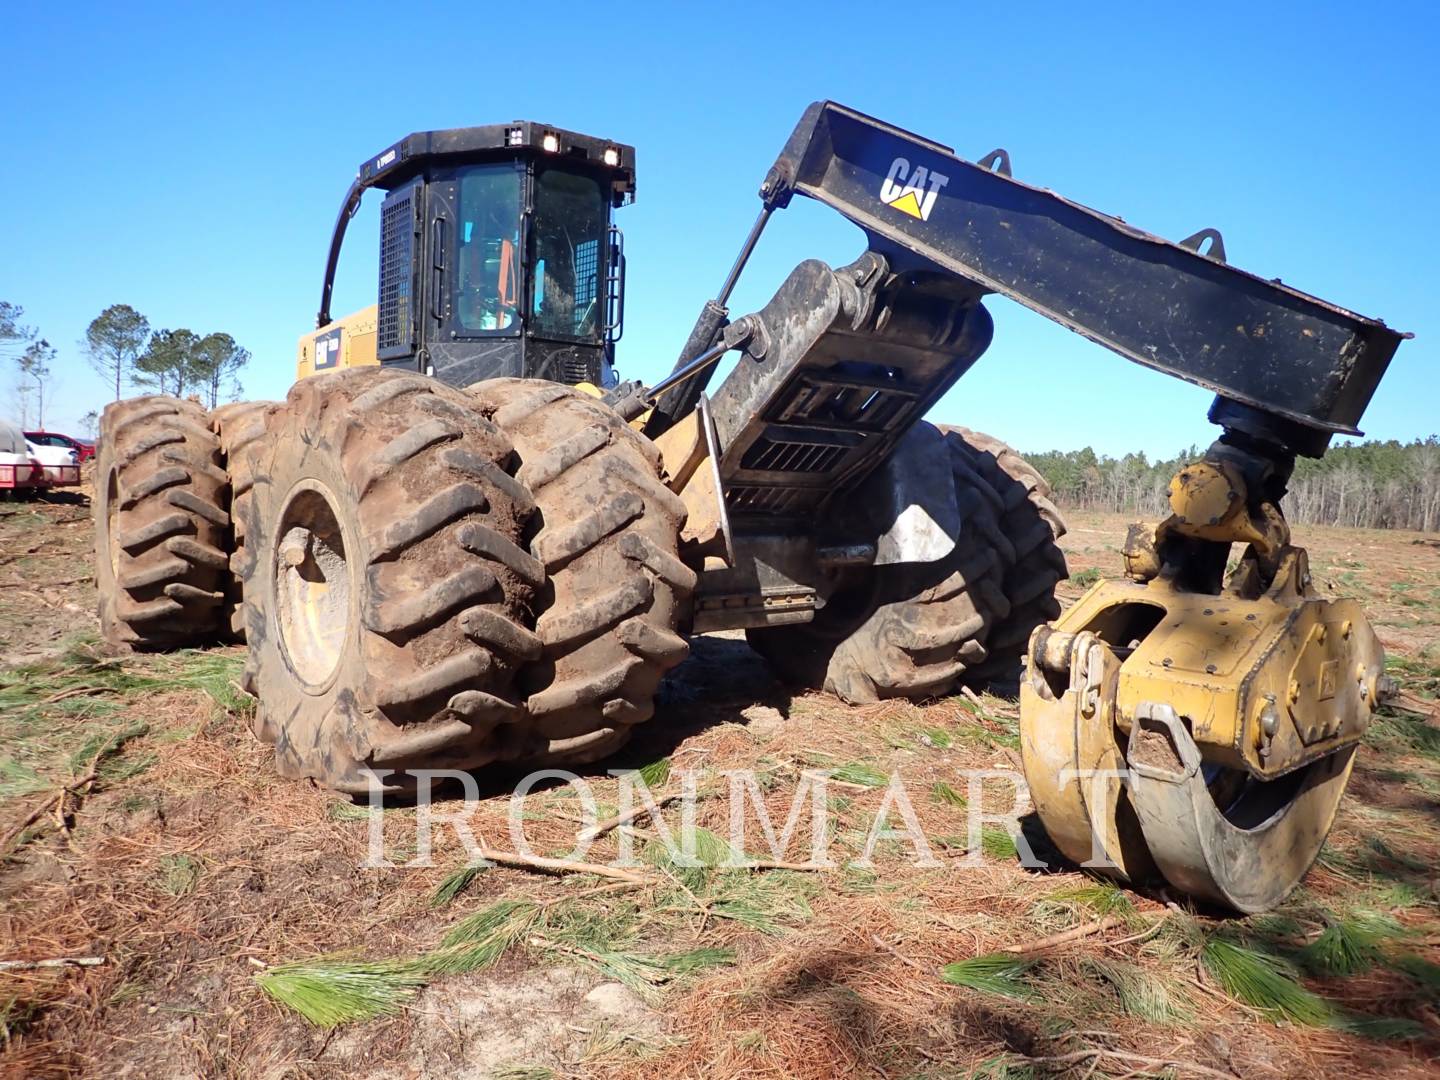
{"x":124,"y":351}
{"x":32,"y":356}
{"x":1371,"y":485}
{"x":121,"y":346}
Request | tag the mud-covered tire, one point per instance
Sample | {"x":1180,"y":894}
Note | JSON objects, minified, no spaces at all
{"x":902,"y":631}
{"x":161,"y":525}
{"x":919,"y":630}
{"x":240,"y":427}
{"x":388,"y":595}
{"x":1032,"y":527}
{"x":607,"y":531}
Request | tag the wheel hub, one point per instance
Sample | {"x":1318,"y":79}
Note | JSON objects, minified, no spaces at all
{"x":313,"y":586}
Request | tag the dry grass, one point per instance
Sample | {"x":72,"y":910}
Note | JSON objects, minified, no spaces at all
{"x":194,"y":870}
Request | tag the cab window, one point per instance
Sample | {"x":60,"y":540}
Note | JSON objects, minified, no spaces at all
{"x":488,"y":249}
{"x":569,"y":233}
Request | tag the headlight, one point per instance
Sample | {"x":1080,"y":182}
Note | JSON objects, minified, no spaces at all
{"x":550,"y":143}
{"x":612,"y":156}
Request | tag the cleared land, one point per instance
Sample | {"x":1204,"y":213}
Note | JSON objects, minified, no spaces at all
{"x":142,"y":824}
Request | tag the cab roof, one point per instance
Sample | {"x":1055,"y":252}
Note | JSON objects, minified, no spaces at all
{"x":401,"y":161}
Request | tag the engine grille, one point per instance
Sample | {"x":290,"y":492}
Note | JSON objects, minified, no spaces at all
{"x":395,"y":330}
{"x":577,"y":368}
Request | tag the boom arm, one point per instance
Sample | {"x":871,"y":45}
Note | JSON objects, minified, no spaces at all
{"x":1256,"y":342}
{"x":1211,"y":713}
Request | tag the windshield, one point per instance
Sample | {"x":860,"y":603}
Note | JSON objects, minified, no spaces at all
{"x":569,"y":231}
{"x":488,"y":248}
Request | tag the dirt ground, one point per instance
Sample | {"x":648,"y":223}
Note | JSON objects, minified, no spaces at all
{"x":174,"y":857}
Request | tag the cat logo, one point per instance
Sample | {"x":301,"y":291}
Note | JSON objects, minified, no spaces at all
{"x":327,"y":349}
{"x":910,"y":191}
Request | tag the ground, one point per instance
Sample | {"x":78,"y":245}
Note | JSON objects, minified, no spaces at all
{"x":194,"y":875}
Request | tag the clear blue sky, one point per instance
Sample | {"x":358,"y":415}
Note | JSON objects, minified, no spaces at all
{"x":190,"y":163}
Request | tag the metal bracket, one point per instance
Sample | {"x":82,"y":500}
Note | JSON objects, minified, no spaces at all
{"x":1217,"y":244}
{"x":996,"y":160}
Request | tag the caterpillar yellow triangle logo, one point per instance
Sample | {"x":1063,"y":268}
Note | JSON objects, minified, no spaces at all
{"x":908,"y":204}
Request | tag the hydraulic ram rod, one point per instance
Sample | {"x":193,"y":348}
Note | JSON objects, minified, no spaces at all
{"x":1155,"y":302}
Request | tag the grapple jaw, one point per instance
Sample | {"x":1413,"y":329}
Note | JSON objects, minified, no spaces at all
{"x":1206,"y":735}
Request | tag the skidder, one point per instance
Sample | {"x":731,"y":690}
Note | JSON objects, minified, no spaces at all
{"x":461,"y":540}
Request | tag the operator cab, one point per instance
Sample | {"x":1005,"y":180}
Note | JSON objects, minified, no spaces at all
{"x":498,"y":257}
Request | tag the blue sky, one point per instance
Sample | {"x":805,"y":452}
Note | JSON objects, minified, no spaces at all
{"x":189,"y":161}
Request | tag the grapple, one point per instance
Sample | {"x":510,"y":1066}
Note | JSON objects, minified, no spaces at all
{"x":1198,"y":729}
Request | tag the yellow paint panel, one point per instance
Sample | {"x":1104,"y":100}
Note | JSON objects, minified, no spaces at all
{"x":346,"y":342}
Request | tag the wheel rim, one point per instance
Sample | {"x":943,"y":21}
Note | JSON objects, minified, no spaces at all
{"x":112,"y":515}
{"x":313,"y":586}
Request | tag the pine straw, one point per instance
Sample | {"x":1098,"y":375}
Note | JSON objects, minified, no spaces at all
{"x":854,"y":987}
{"x":274,"y":871}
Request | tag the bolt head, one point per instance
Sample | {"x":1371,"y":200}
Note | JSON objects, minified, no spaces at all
{"x":1269,"y":721}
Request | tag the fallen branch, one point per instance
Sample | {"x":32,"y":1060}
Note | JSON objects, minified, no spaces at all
{"x":67,"y":581}
{"x":826,"y":778}
{"x":774,"y":864}
{"x":561,"y":866}
{"x":60,"y":822}
{"x":76,"y":691}
{"x":1144,"y":935}
{"x":1075,"y":933}
{"x":1078,"y":1056}
{"x":899,"y":955}
{"x":59,"y":962}
{"x":1414,"y":703}
{"x":44,"y":805}
{"x":594,"y":832}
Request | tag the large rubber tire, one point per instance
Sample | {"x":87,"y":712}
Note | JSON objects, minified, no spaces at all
{"x":918,"y":631}
{"x":388,"y":598}
{"x":608,"y":533}
{"x":240,"y":428}
{"x":1027,"y":530}
{"x":161,"y":526}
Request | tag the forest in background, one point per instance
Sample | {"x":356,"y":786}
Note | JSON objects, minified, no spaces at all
{"x":1368,"y":485}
